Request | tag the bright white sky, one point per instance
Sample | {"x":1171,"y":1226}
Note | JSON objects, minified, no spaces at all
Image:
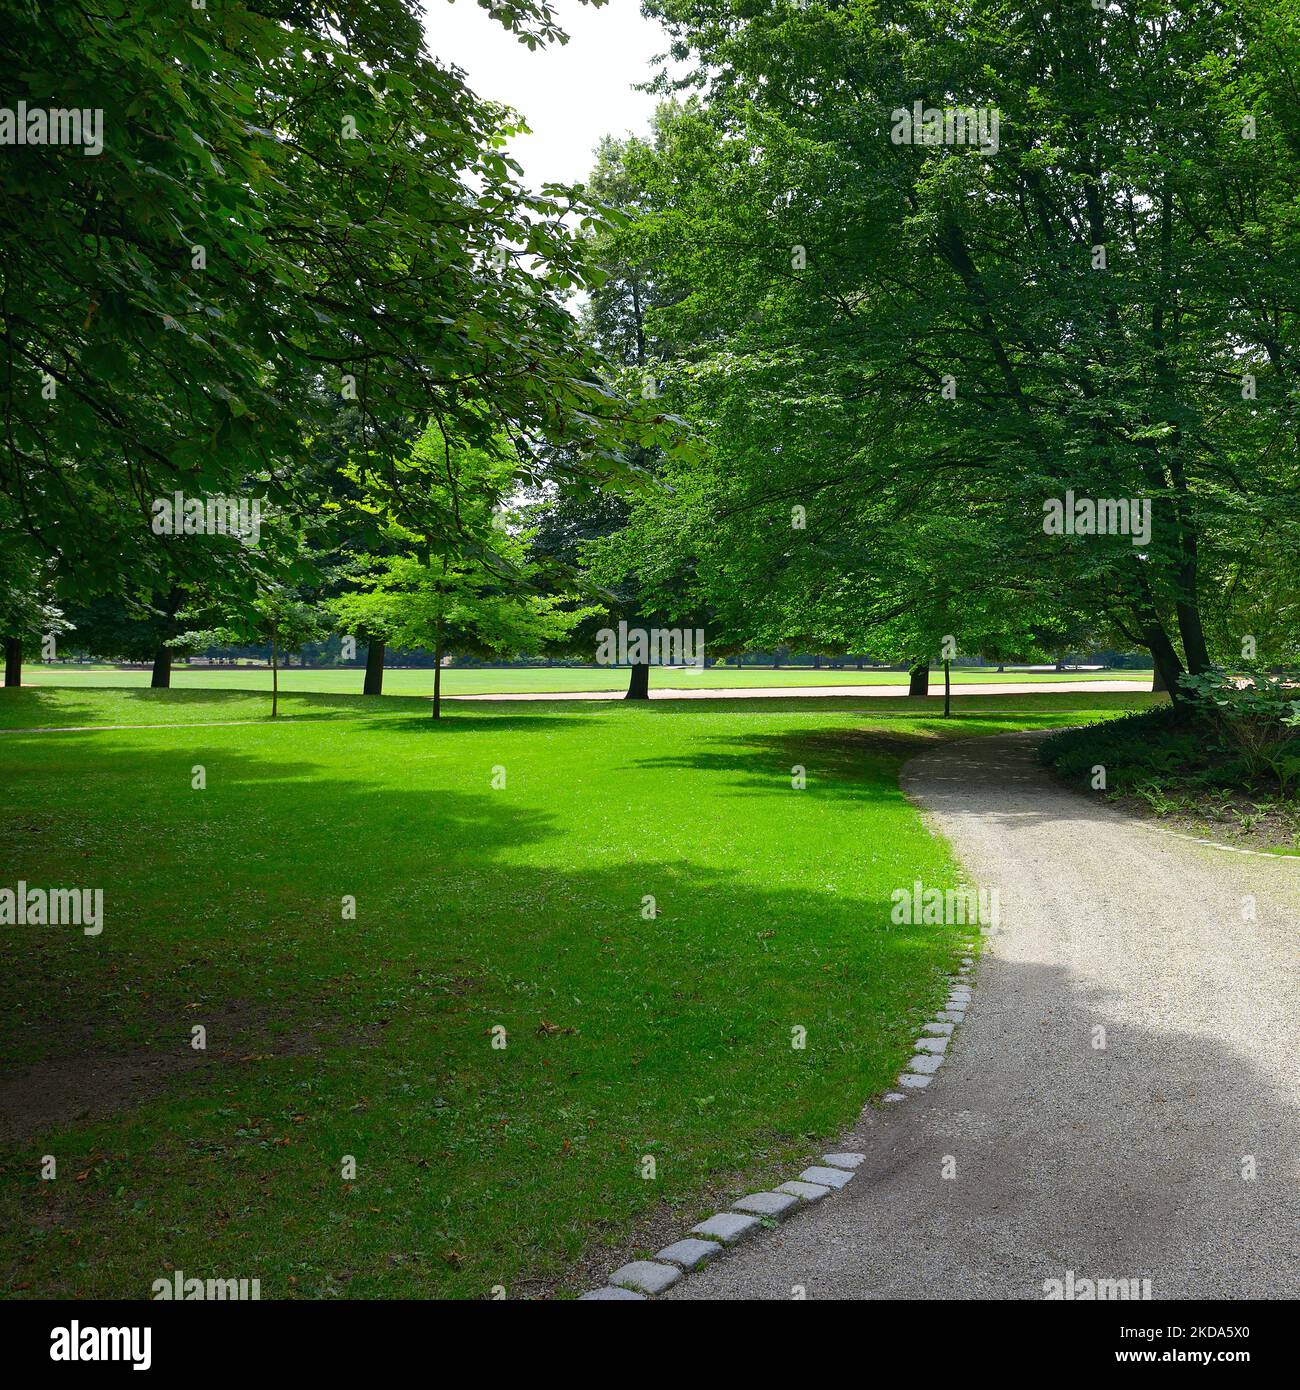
{"x":571,"y":94}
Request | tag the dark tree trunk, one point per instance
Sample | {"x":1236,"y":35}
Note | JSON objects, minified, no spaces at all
{"x":919,"y":679}
{"x":1192,"y":632}
{"x":13,"y":661}
{"x":374,"y":684}
{"x":275,"y":678}
{"x":1166,"y":664}
{"x":1164,"y":660}
{"x":638,"y":685}
{"x":1187,"y":607}
{"x":947,"y":690}
{"x":161,"y":679}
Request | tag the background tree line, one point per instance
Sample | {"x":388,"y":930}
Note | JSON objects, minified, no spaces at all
{"x":772,"y":373}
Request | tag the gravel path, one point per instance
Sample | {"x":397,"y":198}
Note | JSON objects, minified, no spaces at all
{"x":774,"y":692}
{"x":1120,"y":1163}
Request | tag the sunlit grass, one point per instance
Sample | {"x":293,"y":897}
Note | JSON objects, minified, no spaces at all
{"x":518,"y":905}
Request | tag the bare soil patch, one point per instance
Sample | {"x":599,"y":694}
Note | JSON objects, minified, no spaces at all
{"x":81,"y":1082}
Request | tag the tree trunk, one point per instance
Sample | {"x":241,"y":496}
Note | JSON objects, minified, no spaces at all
{"x":638,"y":685}
{"x":1191,"y":630}
{"x":161,"y":679}
{"x":275,"y":679}
{"x":374,"y":684}
{"x":1187,"y":606}
{"x":1158,"y":682}
{"x":437,"y":673}
{"x":13,"y":661}
{"x":947,"y":690}
{"x":1165,"y":661}
{"x":919,"y":679}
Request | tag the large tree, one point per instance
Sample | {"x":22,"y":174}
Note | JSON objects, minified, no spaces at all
{"x":571,"y":527}
{"x":886,"y":332}
{"x":293,"y":205}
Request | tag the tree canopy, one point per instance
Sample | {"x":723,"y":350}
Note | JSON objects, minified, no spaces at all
{"x":913,"y":349}
{"x":293,"y":208}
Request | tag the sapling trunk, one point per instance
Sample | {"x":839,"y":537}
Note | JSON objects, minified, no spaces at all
{"x":437,"y":673}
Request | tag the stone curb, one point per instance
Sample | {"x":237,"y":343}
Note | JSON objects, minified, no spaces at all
{"x":773,"y":1205}
{"x":642,"y":1279}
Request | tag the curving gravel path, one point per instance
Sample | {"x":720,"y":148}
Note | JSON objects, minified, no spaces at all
{"x":1120,"y":1163}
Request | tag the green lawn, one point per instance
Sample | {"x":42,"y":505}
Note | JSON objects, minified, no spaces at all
{"x":476,"y":907}
{"x":412,"y":681}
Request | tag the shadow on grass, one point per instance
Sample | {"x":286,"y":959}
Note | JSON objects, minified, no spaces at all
{"x":845,"y":760}
{"x":890,"y":707}
{"x":471,"y":912}
{"x":857,"y":763}
{"x":60,"y":707}
{"x":1117,"y":1163}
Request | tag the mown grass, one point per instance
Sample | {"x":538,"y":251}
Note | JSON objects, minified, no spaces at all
{"x":470,"y":681}
{"x":57,"y":706}
{"x":517,"y":906}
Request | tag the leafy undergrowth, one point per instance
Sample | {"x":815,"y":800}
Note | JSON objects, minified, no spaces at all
{"x":1183,"y":771}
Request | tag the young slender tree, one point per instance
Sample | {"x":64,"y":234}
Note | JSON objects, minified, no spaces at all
{"x":445,"y":603}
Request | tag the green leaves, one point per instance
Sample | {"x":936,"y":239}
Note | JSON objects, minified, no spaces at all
{"x":458,"y":575}
{"x":286,"y":204}
{"x":912,"y":342}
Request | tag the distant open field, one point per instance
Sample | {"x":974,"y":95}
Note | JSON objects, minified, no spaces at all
{"x":480,"y":681}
